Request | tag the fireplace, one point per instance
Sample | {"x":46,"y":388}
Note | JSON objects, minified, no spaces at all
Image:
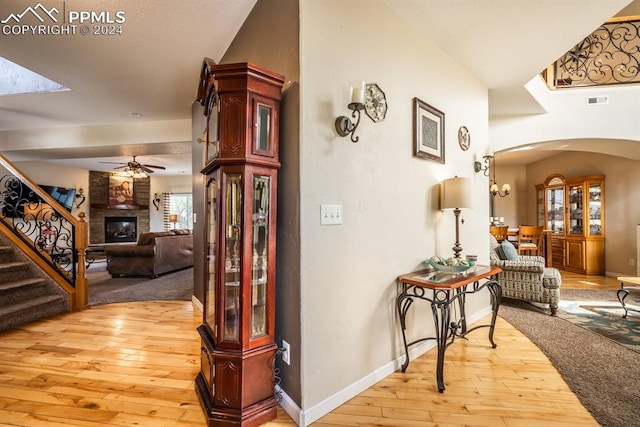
{"x":120,"y":229}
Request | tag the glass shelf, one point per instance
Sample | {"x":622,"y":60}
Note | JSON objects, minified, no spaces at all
{"x":260,"y":258}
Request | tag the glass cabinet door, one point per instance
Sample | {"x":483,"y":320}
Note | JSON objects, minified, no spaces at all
{"x":595,"y":209}
{"x":263,"y":127}
{"x":232,"y":260}
{"x":260,"y":255}
{"x":263,"y":122}
{"x":211,"y":252}
{"x":540,"y":207}
{"x":576,"y":220}
{"x":555,"y":210}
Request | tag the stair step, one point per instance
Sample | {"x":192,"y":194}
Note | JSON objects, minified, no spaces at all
{"x":16,"y":284}
{"x":31,"y":310}
{"x":25,"y":296}
{"x":14,"y":270}
{"x":14,"y":265}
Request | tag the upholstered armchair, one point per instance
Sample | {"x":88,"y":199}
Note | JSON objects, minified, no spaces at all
{"x":526,"y":277}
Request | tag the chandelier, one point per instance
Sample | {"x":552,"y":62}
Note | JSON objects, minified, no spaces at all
{"x":133,"y":172}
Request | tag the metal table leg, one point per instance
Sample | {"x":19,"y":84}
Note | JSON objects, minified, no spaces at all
{"x":622,"y":295}
{"x":440,"y":306}
{"x":404,"y":302}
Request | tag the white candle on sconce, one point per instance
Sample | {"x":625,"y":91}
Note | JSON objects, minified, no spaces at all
{"x":357,"y":92}
{"x":489,"y":151}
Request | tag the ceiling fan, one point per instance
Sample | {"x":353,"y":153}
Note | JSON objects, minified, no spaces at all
{"x":133,"y":167}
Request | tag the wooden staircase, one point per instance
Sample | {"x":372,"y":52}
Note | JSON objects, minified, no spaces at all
{"x":27,"y":294}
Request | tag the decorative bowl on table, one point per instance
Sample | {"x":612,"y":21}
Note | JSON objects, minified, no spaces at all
{"x":450,"y":265}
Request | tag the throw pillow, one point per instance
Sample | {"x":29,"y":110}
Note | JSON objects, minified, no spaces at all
{"x":510,"y":251}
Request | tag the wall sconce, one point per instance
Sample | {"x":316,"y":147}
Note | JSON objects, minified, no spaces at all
{"x":344,"y":125}
{"x":156,"y":201}
{"x":80,"y":195}
{"x":489,"y":168}
{"x":487,"y":158}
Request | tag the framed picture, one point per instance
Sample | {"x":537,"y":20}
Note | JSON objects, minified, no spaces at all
{"x":120,"y":190}
{"x":428,"y":131}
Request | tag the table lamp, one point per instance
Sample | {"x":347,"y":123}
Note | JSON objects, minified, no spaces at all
{"x":173,"y":218}
{"x":456,"y":193}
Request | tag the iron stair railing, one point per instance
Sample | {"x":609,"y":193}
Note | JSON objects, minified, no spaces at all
{"x":45,"y":231}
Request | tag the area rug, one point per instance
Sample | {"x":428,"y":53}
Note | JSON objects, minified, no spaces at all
{"x":103,"y":289}
{"x":601,"y":312}
{"x":603,"y":374}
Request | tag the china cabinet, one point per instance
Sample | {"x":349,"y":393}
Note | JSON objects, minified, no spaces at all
{"x":572,"y":209}
{"x":236,"y":380}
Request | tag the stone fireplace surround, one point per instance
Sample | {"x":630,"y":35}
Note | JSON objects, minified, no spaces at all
{"x":99,"y":196}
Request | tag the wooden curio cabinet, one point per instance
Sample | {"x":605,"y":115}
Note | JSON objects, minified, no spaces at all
{"x":236,"y":380}
{"x":572,"y":209}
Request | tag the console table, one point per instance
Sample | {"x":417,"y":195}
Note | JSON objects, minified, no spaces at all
{"x":442,"y":290}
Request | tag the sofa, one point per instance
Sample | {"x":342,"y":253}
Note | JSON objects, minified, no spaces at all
{"x":525,"y":277}
{"x":155,"y":253}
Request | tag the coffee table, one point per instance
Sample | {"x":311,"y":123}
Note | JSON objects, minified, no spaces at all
{"x":624,"y":292}
{"x":92,"y":251}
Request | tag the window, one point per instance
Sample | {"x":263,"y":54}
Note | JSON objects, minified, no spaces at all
{"x":180,"y":205}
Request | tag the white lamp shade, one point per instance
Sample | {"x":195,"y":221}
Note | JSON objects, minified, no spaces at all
{"x":456,"y":193}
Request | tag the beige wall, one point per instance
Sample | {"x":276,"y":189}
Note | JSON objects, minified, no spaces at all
{"x":622,"y":200}
{"x":62,"y":176}
{"x":337,"y":284}
{"x":514,"y":206}
{"x":391,"y":217}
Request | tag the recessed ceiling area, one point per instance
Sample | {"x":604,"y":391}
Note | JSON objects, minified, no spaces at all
{"x":174,"y":156}
{"x":535,"y":152}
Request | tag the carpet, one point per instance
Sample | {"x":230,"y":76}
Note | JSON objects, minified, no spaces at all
{"x":603,"y":374}
{"x":601,"y":312}
{"x":103,"y":289}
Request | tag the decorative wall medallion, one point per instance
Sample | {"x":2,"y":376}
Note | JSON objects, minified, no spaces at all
{"x":464,"y":138}
{"x":375,"y":102}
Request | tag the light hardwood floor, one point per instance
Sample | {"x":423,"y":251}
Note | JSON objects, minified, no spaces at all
{"x":134,"y":364}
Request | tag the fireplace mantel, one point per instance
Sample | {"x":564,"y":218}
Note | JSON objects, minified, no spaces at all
{"x":106,"y":206}
{"x":99,"y":205}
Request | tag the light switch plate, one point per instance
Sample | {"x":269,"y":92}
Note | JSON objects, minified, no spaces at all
{"x":330,"y":214}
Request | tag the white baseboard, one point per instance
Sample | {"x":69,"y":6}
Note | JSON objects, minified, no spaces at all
{"x":305,"y":417}
{"x":613,"y":274}
{"x":289,"y":406}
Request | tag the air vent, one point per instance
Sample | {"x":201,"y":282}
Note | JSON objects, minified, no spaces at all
{"x":597,"y":100}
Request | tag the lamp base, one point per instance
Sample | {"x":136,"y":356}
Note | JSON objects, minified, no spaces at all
{"x":457,"y":248}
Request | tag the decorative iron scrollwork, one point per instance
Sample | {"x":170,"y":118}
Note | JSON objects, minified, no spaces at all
{"x":609,"y":55}
{"x":39,"y":224}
